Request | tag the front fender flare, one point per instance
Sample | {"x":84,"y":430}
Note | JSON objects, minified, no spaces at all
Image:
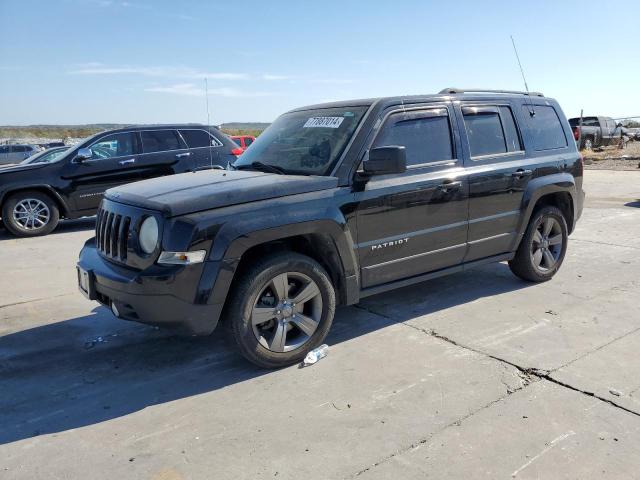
{"x":230,"y":246}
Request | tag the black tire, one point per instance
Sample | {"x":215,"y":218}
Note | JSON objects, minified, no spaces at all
{"x":255,"y":291}
{"x":35,"y":228}
{"x":525,"y":263}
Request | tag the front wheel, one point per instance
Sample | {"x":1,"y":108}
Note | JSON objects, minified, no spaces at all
{"x":280,"y":309}
{"x":30,"y":213}
{"x":543,"y":246}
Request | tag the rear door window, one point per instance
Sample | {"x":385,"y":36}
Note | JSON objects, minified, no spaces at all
{"x":426,"y":135}
{"x":199,"y":139}
{"x":484,"y":131}
{"x":160,"y":141}
{"x":545,"y":127}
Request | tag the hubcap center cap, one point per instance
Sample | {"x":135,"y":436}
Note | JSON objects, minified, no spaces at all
{"x":545,"y":243}
{"x":287,"y":310}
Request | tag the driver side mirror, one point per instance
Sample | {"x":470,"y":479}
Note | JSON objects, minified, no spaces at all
{"x":82,"y":155}
{"x":386,"y":160}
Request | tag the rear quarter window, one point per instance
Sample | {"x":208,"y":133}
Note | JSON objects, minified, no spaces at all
{"x":545,"y":127}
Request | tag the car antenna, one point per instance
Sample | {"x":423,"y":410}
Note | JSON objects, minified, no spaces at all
{"x":532,"y":112}
{"x":206,"y":94}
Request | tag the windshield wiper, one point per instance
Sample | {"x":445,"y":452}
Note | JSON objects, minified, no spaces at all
{"x":261,"y":167}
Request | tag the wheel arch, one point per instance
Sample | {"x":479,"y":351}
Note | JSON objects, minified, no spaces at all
{"x":326,"y":241}
{"x":46,"y":189}
{"x":558,"y":190}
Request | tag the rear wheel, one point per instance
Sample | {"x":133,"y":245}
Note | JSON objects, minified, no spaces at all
{"x":280,"y":309}
{"x":543,"y":247}
{"x":30,"y":213}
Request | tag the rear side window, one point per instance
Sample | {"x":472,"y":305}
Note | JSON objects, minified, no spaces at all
{"x":425,"y":135}
{"x":160,"y":141}
{"x":545,"y":126}
{"x":19,"y":148}
{"x":484,"y":131}
{"x":199,"y":138}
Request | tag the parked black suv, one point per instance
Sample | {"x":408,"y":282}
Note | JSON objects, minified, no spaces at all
{"x":336,"y":202}
{"x":33,"y":197}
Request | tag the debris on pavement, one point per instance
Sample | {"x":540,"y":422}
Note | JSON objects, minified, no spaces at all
{"x":316,"y":354}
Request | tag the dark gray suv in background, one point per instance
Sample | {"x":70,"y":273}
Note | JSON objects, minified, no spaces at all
{"x":33,"y":197}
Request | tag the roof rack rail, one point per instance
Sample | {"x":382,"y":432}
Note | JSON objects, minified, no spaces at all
{"x":452,"y":91}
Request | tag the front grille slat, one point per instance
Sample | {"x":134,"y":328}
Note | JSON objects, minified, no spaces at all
{"x":115,"y":235}
{"x":124,"y":238}
{"x":113,"y":230}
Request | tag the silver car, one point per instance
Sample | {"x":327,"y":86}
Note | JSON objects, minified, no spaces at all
{"x":16,"y":153}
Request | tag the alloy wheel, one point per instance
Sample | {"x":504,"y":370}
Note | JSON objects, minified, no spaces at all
{"x":31,"y":214}
{"x":546,"y":247}
{"x":287,"y":312}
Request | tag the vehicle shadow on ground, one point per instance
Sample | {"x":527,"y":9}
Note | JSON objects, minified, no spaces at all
{"x":635,"y":204}
{"x":63,"y":376}
{"x":65,"y":226}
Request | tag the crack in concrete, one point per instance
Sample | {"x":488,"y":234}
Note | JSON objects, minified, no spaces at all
{"x":423,"y":441}
{"x":571,"y":362}
{"x":604,"y":243}
{"x":527,"y":374}
{"x":35,"y":300}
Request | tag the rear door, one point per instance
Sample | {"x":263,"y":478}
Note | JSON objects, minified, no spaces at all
{"x":113,"y":163}
{"x":204,"y":148}
{"x":4,"y":154}
{"x":415,"y":222}
{"x":497,"y":173}
{"x":164,"y":152}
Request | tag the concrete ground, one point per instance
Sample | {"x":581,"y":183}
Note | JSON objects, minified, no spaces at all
{"x":477,"y":375}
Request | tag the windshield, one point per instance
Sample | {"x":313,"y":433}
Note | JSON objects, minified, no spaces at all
{"x":48,"y":156}
{"x":307,"y":142}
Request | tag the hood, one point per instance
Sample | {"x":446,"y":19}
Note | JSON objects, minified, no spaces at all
{"x":193,"y":192}
{"x":21,"y":168}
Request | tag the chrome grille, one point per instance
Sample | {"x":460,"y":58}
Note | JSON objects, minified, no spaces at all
{"x":112,"y":234}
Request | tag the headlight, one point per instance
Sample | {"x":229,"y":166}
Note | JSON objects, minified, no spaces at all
{"x":149,"y":235}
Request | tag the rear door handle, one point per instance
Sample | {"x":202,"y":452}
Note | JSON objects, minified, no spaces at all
{"x":447,"y":187}
{"x":520,"y":173}
{"x":127,"y":162}
{"x":185,"y":154}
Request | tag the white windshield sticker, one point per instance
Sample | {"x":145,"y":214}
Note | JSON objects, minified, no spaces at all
{"x":323,"y":122}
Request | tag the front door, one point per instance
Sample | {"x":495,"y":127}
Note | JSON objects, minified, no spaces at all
{"x":112,"y":163}
{"x":415,"y":222}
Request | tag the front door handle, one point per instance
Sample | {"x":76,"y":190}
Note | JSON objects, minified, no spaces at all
{"x":185,"y":154}
{"x":127,"y":162}
{"x":447,"y":187}
{"x":520,"y":173}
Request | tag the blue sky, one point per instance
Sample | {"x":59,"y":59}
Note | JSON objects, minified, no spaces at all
{"x":143,"y":61}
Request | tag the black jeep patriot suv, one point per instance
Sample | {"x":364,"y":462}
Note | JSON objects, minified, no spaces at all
{"x":336,"y":202}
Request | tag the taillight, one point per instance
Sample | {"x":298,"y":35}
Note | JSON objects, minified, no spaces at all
{"x":576,"y":133}
{"x":237,"y":151}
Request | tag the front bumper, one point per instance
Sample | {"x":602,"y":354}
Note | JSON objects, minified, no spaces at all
{"x":168,"y":296}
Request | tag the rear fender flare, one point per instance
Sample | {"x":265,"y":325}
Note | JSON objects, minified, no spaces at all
{"x":538,"y":188}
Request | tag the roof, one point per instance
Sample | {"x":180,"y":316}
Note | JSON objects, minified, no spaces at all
{"x":467,"y":93}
